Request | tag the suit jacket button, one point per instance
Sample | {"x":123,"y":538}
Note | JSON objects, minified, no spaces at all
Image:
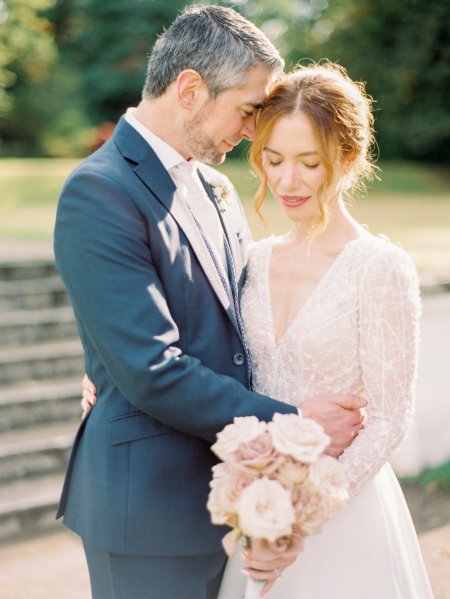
{"x":239,"y":359}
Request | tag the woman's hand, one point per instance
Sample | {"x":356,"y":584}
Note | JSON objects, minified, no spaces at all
{"x":89,"y":396}
{"x":266,"y":561}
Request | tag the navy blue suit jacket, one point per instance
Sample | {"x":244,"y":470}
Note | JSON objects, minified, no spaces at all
{"x":162,"y":346}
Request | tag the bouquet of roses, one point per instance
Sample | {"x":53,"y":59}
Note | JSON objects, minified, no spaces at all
{"x":274,"y":482}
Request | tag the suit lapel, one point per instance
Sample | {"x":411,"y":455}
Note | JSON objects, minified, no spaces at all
{"x":153,"y":174}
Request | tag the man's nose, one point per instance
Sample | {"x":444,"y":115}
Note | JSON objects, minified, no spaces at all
{"x":248,"y":129}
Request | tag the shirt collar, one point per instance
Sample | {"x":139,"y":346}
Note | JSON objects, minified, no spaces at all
{"x":169,"y":157}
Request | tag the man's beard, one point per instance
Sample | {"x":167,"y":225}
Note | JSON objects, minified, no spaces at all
{"x":199,"y":143}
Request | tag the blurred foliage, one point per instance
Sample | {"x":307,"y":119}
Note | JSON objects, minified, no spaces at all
{"x":431,"y":478}
{"x":400,"y":48}
{"x":101,"y":50}
{"x":27,"y":55}
{"x":108,"y":42}
{"x":66,"y":66}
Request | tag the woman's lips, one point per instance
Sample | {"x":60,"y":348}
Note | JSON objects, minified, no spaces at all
{"x":294,"y":201}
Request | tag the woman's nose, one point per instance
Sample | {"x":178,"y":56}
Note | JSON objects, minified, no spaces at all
{"x":289,"y":177}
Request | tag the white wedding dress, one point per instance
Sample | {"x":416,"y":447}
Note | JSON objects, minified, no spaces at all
{"x":356,"y":333}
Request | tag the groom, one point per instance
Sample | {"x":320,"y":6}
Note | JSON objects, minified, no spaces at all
{"x":152,"y":250}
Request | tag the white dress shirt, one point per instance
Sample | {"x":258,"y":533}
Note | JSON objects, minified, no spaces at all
{"x":190,"y":189}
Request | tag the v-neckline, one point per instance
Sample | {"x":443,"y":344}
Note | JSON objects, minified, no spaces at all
{"x":309,"y":298}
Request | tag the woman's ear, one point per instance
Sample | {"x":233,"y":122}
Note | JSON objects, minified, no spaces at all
{"x":190,"y":88}
{"x":350,"y":159}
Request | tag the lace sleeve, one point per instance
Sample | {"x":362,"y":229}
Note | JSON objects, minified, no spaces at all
{"x":389,"y":311}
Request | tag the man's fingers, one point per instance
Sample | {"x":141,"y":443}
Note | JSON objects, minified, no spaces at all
{"x":87,"y":405}
{"x":88,"y":398}
{"x":333,"y":451}
{"x":350,"y":402}
{"x":88,"y":385}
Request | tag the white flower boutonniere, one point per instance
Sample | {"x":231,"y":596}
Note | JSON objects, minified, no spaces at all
{"x":221,"y":188}
{"x":223,"y":196}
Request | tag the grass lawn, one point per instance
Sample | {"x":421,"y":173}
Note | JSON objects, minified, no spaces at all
{"x":411,"y":204}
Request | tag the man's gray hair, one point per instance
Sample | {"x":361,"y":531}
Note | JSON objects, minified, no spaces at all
{"x":217,"y":42}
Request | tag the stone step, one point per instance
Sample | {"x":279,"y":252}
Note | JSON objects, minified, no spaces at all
{"x":39,"y":451}
{"x":27,"y":268}
{"x":32,"y":326}
{"x":33,"y":294}
{"x":58,"y":359}
{"x":32,"y":403}
{"x":28,"y":507}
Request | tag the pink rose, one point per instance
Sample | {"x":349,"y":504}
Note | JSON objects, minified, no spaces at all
{"x":309,"y":509}
{"x":257,"y":457}
{"x":226,"y":488}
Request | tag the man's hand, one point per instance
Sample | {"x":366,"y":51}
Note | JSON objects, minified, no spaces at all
{"x":89,"y":396}
{"x":341,"y":416}
{"x":266,"y":561}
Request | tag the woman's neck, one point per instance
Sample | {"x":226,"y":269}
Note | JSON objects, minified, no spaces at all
{"x":341,"y":228}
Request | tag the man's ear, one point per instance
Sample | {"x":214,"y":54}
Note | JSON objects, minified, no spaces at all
{"x":190,"y":88}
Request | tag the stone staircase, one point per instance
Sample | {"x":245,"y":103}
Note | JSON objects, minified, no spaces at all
{"x":41,"y":365}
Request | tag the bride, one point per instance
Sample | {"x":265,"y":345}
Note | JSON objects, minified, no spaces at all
{"x":329,"y":308}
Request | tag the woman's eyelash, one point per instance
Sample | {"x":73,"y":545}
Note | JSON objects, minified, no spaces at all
{"x":311,"y":166}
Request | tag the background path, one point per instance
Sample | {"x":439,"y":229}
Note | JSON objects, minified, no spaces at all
{"x":53,"y":567}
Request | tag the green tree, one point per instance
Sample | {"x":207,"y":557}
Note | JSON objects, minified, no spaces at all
{"x":401,"y":50}
{"x":27,"y":54}
{"x":108,"y":43}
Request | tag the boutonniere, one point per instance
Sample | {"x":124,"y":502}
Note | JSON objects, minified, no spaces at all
{"x":223,"y":196}
{"x":222,"y":191}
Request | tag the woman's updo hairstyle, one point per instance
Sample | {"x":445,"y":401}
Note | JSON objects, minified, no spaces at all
{"x":340,"y":112}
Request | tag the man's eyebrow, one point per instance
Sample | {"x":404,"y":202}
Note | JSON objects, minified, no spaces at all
{"x":253,"y":105}
{"x":311,"y":153}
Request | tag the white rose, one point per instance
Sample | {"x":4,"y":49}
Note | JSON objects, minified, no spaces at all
{"x":265,"y":510}
{"x":243,"y":429}
{"x":328,"y":475}
{"x":312,"y":524}
{"x":301,"y":438}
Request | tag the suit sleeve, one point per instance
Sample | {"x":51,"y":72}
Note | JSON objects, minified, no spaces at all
{"x":103,"y":255}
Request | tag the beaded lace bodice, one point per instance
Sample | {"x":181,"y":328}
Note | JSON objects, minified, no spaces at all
{"x":356,"y":333}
